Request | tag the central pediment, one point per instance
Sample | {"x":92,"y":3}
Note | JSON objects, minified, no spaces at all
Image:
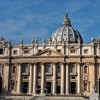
{"x":48,"y":53}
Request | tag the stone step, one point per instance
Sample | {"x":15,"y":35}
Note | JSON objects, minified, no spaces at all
{"x":41,"y":98}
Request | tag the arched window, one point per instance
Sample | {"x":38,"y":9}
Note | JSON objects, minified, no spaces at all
{"x":85,"y":69}
{"x":14,"y":69}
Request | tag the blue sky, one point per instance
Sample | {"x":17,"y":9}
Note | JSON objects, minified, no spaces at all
{"x":27,"y":19}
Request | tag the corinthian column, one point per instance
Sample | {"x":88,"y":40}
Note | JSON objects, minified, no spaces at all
{"x":62,"y":79}
{"x":54,"y":78}
{"x":79,"y":78}
{"x":67,"y":79}
{"x":30,"y":78}
{"x":42,"y":78}
{"x":19,"y":79}
{"x":7,"y":77}
{"x":34,"y":79}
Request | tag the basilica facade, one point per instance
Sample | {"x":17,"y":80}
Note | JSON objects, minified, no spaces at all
{"x":63,"y":66}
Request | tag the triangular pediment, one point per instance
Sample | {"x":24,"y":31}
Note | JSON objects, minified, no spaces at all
{"x":48,"y":53}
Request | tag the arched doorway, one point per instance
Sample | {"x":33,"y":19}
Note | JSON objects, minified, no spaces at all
{"x":0,"y":84}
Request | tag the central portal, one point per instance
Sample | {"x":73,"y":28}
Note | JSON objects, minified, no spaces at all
{"x":25,"y":87}
{"x":73,"y":88}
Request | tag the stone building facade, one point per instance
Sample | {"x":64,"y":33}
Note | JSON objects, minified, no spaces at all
{"x":63,"y":66}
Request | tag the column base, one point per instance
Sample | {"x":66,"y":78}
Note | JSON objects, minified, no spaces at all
{"x":54,"y":94}
{"x":67,"y":94}
{"x":18,"y":92}
{"x":42,"y":94}
{"x":62,"y":93}
{"x":34,"y":94}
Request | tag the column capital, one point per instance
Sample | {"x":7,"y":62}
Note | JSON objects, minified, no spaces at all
{"x":19,"y":64}
{"x":6,"y":64}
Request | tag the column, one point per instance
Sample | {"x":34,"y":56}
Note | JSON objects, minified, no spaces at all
{"x":34,"y":79}
{"x":6,"y":80}
{"x":42,"y":78}
{"x":30,"y":78}
{"x":62,"y":79}
{"x":94,"y":76}
{"x":54,"y":78}
{"x":19,"y":79}
{"x":79,"y":78}
{"x":67,"y":79}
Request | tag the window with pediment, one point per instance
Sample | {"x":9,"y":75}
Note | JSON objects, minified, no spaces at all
{"x":48,"y":68}
{"x":72,"y":68}
{"x":25,"y":68}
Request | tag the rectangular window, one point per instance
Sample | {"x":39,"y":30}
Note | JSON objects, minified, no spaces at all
{"x":1,"y":51}
{"x":86,"y":51}
{"x":26,"y":51}
{"x":39,"y":51}
{"x":73,"y":77}
{"x":73,"y":51}
{"x":59,"y":50}
{"x":14,"y":52}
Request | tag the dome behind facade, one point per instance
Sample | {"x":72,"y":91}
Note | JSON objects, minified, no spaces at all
{"x":66,"y":33}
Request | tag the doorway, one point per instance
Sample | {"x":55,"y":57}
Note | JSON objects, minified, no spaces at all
{"x":0,"y":84}
{"x":48,"y":87}
{"x":73,"y":88}
{"x":25,"y":87}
